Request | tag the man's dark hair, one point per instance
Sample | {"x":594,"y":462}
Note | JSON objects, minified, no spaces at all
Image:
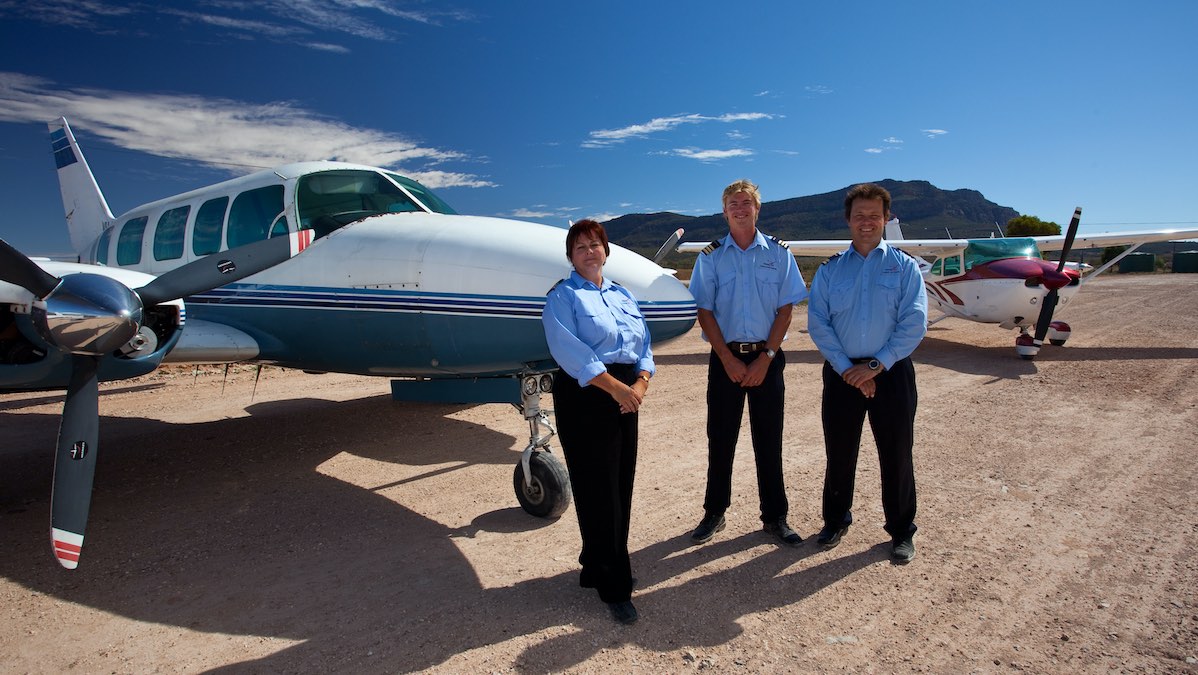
{"x":866,"y":191}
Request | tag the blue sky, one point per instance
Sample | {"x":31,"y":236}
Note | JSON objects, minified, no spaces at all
{"x":555,"y":111}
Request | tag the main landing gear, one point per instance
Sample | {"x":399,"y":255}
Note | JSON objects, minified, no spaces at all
{"x":540,"y":479}
{"x":1025,"y":344}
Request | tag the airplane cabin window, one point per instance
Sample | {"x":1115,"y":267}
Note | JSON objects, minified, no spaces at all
{"x":252,"y":213}
{"x":102,"y":247}
{"x":938,"y":268}
{"x":952,"y":265}
{"x":329,"y":200}
{"x":432,"y":201}
{"x":128,"y":243}
{"x":280,"y":228}
{"x":210,"y":223}
{"x":168,"y":235}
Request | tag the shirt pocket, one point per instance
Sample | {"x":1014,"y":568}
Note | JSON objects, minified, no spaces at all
{"x":840,"y":295}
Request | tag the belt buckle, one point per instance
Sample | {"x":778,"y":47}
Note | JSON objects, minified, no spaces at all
{"x":744,"y":348}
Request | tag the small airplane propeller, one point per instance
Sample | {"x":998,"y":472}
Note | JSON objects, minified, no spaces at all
{"x":90,"y":316}
{"x":1050,"y":299}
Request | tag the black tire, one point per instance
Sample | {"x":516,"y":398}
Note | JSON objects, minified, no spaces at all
{"x":549,"y":494}
{"x":1058,"y":343}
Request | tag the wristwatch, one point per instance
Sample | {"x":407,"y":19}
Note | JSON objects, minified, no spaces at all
{"x":874,"y":364}
{"x":770,"y":354}
{"x":642,"y":377}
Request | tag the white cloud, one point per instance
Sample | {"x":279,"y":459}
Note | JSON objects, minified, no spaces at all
{"x":710,"y":155}
{"x":892,"y":140}
{"x":226,"y":134}
{"x":875,"y":151}
{"x":934,"y":133}
{"x":605,"y":137}
{"x":818,"y":89}
{"x":284,"y":20}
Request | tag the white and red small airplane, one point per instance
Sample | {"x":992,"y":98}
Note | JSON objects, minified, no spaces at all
{"x":1004,"y":281}
{"x":318,"y":266}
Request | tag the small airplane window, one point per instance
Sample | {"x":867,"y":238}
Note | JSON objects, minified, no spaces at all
{"x":252,"y":213}
{"x":279,"y":229}
{"x":102,"y":247}
{"x":936,"y":268}
{"x":210,"y":225}
{"x":128,"y":243}
{"x":952,"y":265}
{"x":168,"y":234}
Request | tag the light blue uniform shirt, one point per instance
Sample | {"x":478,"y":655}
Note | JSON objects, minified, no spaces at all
{"x":587,"y":327}
{"x":744,"y":289}
{"x":867,"y":307}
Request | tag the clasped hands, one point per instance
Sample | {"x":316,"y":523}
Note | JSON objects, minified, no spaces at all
{"x":746,"y":375}
{"x":861,"y":377}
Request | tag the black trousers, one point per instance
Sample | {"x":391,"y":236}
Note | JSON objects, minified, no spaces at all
{"x":725,"y":408}
{"x":892,"y":419}
{"x":600,"y":448}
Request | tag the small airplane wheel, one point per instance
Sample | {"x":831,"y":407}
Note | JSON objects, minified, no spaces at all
{"x":1057,"y":342}
{"x":548,"y":493}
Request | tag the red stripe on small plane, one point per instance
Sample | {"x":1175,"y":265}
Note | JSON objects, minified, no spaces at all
{"x":60,"y":545}
{"x":305,"y":239}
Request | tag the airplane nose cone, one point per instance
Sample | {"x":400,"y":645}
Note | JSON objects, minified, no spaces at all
{"x":89,"y":314}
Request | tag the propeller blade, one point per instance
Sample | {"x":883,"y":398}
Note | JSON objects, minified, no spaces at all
{"x":668,"y":246}
{"x":219,"y":269}
{"x":1070,"y":235}
{"x":17,"y":268}
{"x":1050,"y":299}
{"x":75,"y":462}
{"x":1045,"y":318}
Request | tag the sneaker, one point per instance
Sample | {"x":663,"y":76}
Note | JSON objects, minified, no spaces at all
{"x":830,"y":536}
{"x":707,"y":528}
{"x":782,"y":531}
{"x":903,"y":551}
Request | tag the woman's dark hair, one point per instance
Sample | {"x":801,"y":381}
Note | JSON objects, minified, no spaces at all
{"x":588,"y":227}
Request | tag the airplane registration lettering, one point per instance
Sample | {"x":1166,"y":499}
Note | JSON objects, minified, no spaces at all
{"x":79,"y":450}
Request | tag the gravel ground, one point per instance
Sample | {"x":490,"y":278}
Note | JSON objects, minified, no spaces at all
{"x":309,"y":524}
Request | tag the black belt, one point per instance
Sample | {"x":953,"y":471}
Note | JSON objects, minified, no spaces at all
{"x":746,"y":347}
{"x":863,"y":359}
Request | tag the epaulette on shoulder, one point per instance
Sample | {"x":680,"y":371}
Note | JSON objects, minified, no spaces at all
{"x":832,"y":258}
{"x":903,"y":252}
{"x":559,"y":283}
{"x":711,"y":247}
{"x":778,"y":241}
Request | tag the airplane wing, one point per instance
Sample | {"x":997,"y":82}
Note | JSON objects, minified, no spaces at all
{"x":828,"y":247}
{"x":1057,"y":242}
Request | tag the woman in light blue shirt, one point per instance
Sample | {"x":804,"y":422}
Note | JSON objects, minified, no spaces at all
{"x":599,"y":338}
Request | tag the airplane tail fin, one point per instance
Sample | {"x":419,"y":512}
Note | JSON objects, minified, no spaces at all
{"x":893,"y":231}
{"x":86,"y":210}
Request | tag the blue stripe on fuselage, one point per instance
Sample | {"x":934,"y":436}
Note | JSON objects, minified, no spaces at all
{"x":385,"y":331}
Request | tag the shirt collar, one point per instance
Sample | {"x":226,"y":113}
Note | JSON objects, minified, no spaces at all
{"x":758,"y":240}
{"x":883,"y":247}
{"x":582,"y":282}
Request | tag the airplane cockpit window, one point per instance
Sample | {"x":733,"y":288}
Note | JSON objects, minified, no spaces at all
{"x":985,"y":250}
{"x":102,"y":247}
{"x":128,"y":243}
{"x":952,"y":266}
{"x":252,"y":214}
{"x":168,"y":235}
{"x":329,"y":200}
{"x":210,"y":224}
{"x":432,"y":201}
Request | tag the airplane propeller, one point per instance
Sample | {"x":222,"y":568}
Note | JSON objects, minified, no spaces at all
{"x":671,"y":242}
{"x":90,"y":316}
{"x":1050,"y":299}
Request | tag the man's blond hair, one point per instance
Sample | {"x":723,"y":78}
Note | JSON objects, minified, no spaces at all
{"x":744,"y":186}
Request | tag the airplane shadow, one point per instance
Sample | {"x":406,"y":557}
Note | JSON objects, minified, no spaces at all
{"x":997,"y":362}
{"x":275,"y":548}
{"x":60,"y":396}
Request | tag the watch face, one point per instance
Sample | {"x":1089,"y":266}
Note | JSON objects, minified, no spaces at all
{"x":874,"y":365}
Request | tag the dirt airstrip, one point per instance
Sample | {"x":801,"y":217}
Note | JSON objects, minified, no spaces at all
{"x":307,"y":523}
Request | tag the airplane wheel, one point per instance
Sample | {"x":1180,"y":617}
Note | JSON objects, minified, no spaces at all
{"x":548,"y":494}
{"x":1057,"y":342}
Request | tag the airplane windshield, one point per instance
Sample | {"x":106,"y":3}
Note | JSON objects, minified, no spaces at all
{"x":986,"y":250}
{"x":424,"y":194}
{"x":329,"y":200}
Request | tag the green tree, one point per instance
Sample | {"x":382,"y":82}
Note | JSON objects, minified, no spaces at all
{"x":1110,"y":252}
{"x":1030,"y":226}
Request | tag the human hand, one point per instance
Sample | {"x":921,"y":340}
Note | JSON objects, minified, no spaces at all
{"x":756,"y":371}
{"x":859,"y":375}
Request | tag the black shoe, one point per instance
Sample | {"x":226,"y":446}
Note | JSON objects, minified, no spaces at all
{"x":830,"y":536}
{"x":903,"y":551}
{"x":782,"y":531}
{"x":707,"y":528}
{"x":624,"y":612}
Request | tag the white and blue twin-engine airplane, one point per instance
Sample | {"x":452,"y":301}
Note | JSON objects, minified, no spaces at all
{"x":319,"y":266}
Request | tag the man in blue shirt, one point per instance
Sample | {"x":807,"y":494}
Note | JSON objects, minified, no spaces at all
{"x":745,"y":286}
{"x":867,"y":312}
